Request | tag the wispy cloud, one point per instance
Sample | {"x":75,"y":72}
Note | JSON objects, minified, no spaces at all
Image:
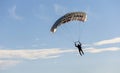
{"x":13,"y":14}
{"x":59,"y":9}
{"x":14,"y":57}
{"x":110,"y":41}
{"x":4,"y":64}
{"x":46,"y":53}
{"x":99,"y":50}
{"x":32,"y":54}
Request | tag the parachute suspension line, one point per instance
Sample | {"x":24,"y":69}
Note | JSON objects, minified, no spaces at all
{"x":80,"y":30}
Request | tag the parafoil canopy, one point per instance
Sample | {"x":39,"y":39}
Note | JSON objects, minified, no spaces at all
{"x":79,"y":16}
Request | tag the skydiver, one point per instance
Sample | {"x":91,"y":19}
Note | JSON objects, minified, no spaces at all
{"x":79,"y":46}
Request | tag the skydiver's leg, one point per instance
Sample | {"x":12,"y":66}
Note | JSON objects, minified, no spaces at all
{"x":82,"y":51}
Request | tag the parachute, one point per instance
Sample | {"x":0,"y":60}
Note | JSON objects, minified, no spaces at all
{"x":79,"y":16}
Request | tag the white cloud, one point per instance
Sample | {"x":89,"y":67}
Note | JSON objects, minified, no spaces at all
{"x":110,"y":41}
{"x":99,"y":50}
{"x":10,"y":56}
{"x":40,"y":54}
{"x":59,"y":9}
{"x":32,"y":54}
{"x":8,"y":63}
{"x":46,"y":53}
{"x":13,"y":14}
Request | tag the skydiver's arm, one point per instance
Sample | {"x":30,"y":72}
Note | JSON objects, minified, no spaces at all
{"x":79,"y":43}
{"x":75,"y":44}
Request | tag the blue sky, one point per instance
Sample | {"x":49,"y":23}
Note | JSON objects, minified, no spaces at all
{"x":28,"y":46}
